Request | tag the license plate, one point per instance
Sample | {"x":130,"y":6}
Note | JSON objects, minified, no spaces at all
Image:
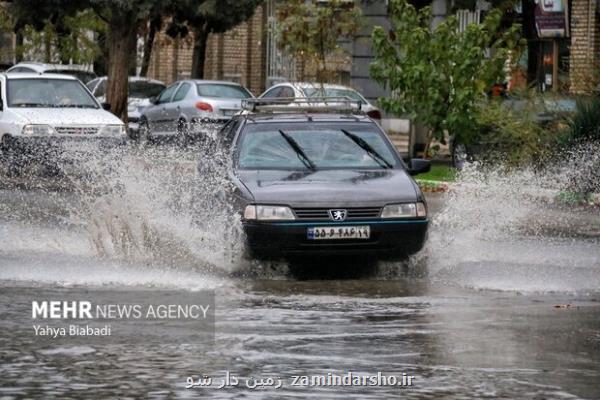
{"x":338,"y":232}
{"x":229,"y":113}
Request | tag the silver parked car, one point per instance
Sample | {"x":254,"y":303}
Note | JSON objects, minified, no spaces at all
{"x":141,"y":90}
{"x":185,"y":106}
{"x":307,"y":90}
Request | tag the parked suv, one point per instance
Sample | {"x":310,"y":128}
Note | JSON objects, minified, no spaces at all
{"x":38,"y":112}
{"x":311,"y":182}
{"x":78,"y":71}
{"x":183,"y":107}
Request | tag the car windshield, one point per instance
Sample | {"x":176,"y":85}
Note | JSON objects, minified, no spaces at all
{"x":222,"y":91}
{"x":314,"y":146}
{"x":329,"y":92}
{"x":137,"y":89}
{"x":144,"y":89}
{"x":39,"y":92}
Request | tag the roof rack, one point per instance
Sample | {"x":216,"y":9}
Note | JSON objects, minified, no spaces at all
{"x":337,"y":105}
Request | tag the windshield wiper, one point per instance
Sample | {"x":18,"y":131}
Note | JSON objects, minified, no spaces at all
{"x":360,"y":142}
{"x":75,"y":106}
{"x":301,"y":154}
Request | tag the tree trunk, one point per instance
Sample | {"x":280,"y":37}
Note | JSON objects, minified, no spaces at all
{"x":199,"y":55}
{"x":132,"y":70}
{"x":121,"y":31}
{"x":148,"y":44}
{"x":47,"y":44}
{"x":19,"y":46}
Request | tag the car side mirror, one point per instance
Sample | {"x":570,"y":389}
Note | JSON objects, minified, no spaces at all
{"x":418,"y":166}
{"x":153,"y":100}
{"x":106,"y":106}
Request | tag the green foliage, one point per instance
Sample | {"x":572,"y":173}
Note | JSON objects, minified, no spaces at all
{"x":71,"y":41}
{"x":205,"y":17}
{"x":211,"y":16}
{"x":439,"y":76}
{"x":584,"y":125}
{"x":511,"y":136}
{"x":310,"y":31}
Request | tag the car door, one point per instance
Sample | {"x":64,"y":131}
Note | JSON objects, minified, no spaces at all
{"x":177,"y":109}
{"x":156,"y":115}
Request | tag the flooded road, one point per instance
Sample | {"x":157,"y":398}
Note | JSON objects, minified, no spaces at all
{"x":504,"y":302}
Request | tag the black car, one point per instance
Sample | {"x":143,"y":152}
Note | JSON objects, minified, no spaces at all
{"x":314,"y":183}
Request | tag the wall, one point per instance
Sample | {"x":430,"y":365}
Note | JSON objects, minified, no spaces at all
{"x":585,"y":46}
{"x":237,"y":55}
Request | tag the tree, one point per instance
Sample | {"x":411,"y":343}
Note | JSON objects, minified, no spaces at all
{"x":439,"y":76}
{"x":206,"y":17}
{"x":311,"y":31}
{"x":59,"y":34}
{"x":122,"y":18}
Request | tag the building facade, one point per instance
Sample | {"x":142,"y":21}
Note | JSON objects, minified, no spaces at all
{"x":568,"y":61}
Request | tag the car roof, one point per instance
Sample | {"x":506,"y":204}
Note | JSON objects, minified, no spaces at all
{"x":39,"y":66}
{"x":135,"y":79}
{"x":213,"y":82}
{"x":34,"y":75}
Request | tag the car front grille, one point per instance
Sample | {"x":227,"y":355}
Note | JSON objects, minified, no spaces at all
{"x":353,"y":213}
{"x":76,"y":130}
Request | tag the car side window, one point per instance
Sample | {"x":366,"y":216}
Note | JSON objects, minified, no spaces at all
{"x":182,"y":92}
{"x":166,"y":94}
{"x":287,"y":92}
{"x":228,"y":132}
{"x":272,"y":93}
{"x":22,"y":69}
{"x":91,"y":85}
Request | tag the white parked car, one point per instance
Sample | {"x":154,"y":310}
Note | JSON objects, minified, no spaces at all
{"x":307,"y":90}
{"x":141,"y":90}
{"x":38,"y":112}
{"x":80,"y":72}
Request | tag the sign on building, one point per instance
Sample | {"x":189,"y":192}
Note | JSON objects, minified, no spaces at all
{"x":551,"y":18}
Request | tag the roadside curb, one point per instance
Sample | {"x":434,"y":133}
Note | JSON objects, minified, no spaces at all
{"x":429,"y":186}
{"x":549,"y":196}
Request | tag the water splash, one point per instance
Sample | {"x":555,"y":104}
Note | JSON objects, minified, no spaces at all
{"x":507,"y":229}
{"x":150,"y":205}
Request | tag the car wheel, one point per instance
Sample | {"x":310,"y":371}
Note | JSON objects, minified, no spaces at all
{"x":182,"y":131}
{"x":143,"y":135}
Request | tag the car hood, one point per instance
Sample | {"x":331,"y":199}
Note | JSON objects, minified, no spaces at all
{"x":66,"y":116}
{"x":329,"y":188}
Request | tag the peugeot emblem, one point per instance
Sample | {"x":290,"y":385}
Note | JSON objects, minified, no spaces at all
{"x":338,"y":215}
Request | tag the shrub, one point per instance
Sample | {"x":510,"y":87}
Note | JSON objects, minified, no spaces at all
{"x":511,"y":136}
{"x":584,"y":125}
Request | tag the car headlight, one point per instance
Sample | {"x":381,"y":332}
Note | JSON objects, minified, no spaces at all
{"x":113,"y":130}
{"x":38,"y":130}
{"x":405,"y":210}
{"x":268,"y":213}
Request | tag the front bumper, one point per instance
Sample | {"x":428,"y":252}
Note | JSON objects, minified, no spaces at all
{"x":48,"y":150}
{"x":41,"y":144}
{"x":396,"y":239}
